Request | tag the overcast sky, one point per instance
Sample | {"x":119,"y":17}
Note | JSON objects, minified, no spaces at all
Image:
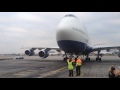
{"x":38,"y":29}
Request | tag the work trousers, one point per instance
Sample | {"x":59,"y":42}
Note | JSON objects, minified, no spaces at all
{"x":71,"y":73}
{"x":78,"y":71}
{"x":111,"y":75}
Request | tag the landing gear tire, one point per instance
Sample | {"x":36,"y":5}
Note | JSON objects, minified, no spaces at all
{"x":98,"y":59}
{"x":64,"y":59}
{"x":87,"y":59}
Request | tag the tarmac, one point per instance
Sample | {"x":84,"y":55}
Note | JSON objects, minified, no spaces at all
{"x":55,"y":67}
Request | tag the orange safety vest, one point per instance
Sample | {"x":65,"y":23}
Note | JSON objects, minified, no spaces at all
{"x":78,"y":62}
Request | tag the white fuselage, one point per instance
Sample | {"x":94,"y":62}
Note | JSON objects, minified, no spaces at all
{"x":72,"y":35}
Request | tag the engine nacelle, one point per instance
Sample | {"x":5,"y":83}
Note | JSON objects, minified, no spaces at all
{"x":29,"y":52}
{"x":43,"y":54}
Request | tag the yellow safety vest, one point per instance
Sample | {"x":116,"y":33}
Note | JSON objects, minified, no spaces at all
{"x":70,"y":66}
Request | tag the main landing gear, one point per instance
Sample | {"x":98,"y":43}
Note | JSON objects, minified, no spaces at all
{"x":70,"y":56}
{"x":65,"y":58}
{"x":87,"y":58}
{"x":98,"y":58}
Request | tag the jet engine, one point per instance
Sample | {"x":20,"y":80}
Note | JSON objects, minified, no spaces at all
{"x":29,"y":52}
{"x":43,"y":54}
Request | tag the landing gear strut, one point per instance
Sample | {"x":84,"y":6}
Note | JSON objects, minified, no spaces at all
{"x":65,"y":59}
{"x":97,"y":58}
{"x":87,"y":58}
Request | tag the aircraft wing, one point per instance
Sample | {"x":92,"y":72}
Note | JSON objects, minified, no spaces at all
{"x":49,"y":48}
{"x":105,"y":48}
{"x":40,"y":48}
{"x":43,"y":51}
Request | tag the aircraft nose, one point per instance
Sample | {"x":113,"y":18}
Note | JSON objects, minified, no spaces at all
{"x":63,"y":34}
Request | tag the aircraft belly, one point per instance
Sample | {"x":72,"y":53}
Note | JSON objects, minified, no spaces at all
{"x":71,"y":46}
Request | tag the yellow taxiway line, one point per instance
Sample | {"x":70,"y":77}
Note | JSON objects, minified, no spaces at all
{"x":51,"y":73}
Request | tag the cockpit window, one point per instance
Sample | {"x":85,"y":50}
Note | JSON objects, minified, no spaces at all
{"x":70,"y":15}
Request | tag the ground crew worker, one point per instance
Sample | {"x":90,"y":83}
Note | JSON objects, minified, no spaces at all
{"x":78,"y":66}
{"x":70,"y":67}
{"x":111,"y":72}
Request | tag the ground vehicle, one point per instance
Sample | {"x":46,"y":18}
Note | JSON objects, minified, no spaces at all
{"x":19,"y":57}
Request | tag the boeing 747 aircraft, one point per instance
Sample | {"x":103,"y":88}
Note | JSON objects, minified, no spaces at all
{"x":72,"y":38}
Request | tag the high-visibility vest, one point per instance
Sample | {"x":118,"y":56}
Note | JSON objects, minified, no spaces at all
{"x":78,"y":62}
{"x":70,"y":66}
